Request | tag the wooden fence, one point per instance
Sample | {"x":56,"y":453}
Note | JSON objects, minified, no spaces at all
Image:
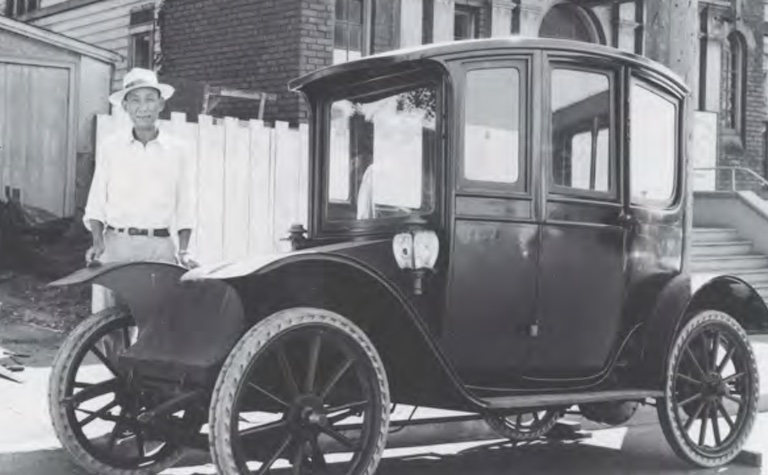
{"x":252,"y":181}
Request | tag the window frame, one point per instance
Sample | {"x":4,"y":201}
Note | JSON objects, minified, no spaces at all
{"x":735,"y":77}
{"x":636,"y":78}
{"x":557,"y":192}
{"x":13,"y":7}
{"x":473,"y":13}
{"x":327,"y":228}
{"x":138,"y":30}
{"x":366,"y":30}
{"x":522,"y":187}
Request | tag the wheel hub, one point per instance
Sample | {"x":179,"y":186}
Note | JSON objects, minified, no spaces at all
{"x":308,"y":411}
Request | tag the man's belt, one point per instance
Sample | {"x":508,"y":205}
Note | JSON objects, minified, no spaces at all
{"x":162,"y":232}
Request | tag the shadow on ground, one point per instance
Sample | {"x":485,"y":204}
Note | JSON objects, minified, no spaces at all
{"x":639,"y":450}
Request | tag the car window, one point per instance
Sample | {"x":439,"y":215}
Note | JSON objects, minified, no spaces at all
{"x":492,"y":125}
{"x":653,"y":145}
{"x":378,"y":149}
{"x":581,"y":130}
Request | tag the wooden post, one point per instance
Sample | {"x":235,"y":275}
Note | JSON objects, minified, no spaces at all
{"x":672,"y":38}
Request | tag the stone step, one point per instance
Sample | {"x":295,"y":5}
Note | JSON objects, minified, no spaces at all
{"x":703,"y":235}
{"x":724,"y":248}
{"x":754,"y":277}
{"x":730,"y":263}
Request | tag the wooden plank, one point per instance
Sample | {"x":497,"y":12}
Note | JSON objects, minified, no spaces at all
{"x":236,"y":198}
{"x":260,"y":224}
{"x":287,"y":157}
{"x":186,"y":134}
{"x":4,"y":127}
{"x":411,"y":12}
{"x":303,"y":204}
{"x":119,"y":22}
{"x":49,"y":156}
{"x":18,"y":89}
{"x":210,"y":177}
{"x":102,"y":9}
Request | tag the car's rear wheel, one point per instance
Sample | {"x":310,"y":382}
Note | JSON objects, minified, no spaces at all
{"x":306,"y":388}
{"x":711,"y":391}
{"x":525,"y":425}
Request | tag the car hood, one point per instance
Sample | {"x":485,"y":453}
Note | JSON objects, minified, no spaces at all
{"x":253,"y":264}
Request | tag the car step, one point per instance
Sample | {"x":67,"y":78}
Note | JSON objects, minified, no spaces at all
{"x":569,"y":399}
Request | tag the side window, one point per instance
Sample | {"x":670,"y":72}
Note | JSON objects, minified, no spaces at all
{"x":581,"y":130}
{"x":492,"y":128}
{"x":652,"y":147}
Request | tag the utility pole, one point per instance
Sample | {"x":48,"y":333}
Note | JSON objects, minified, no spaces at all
{"x":672,"y":38}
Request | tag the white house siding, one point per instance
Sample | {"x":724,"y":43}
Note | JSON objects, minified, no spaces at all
{"x":105,"y":24}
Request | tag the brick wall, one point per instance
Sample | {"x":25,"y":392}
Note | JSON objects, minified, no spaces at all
{"x":748,"y":152}
{"x":316,"y":40}
{"x":244,"y":44}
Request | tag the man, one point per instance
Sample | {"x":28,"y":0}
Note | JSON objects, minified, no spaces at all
{"x":142,"y":186}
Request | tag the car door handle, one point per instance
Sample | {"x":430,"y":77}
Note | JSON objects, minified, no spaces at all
{"x":626,"y":220}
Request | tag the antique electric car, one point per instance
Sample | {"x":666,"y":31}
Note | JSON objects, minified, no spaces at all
{"x":496,"y":227}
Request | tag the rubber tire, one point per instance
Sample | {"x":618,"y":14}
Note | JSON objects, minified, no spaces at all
{"x":62,"y":365}
{"x":236,"y":367}
{"x":497,"y":424}
{"x":665,"y":410}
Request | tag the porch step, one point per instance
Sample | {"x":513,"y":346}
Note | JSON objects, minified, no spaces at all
{"x":706,"y":235}
{"x":721,"y":248}
{"x":569,"y":399}
{"x":734,"y":262}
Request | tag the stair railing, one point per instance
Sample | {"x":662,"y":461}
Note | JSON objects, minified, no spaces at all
{"x":733,"y":170}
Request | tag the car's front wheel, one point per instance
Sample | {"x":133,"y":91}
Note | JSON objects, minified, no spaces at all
{"x":303,"y":388}
{"x":711,"y":390}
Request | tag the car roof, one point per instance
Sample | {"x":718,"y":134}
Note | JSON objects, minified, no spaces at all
{"x":437,"y":50}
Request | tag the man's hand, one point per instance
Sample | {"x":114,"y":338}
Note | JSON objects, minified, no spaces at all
{"x":186,"y":260}
{"x":93,"y":254}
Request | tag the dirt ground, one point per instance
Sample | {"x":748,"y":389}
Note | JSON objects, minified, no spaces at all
{"x":35,"y":317}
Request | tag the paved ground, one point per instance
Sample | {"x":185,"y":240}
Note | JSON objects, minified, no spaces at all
{"x":28,"y":446}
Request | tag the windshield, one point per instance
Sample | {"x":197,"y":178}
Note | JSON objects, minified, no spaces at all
{"x":380,"y":158}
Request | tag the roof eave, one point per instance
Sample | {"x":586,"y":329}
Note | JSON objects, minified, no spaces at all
{"x":58,"y":40}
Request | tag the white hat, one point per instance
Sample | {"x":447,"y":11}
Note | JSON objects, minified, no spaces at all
{"x":138,"y":78}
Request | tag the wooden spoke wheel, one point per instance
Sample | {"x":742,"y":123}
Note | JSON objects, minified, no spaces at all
{"x":93,"y":409}
{"x":711,"y":390}
{"x":524,"y":426}
{"x":304,"y":388}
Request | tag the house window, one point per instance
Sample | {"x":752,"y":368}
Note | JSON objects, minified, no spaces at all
{"x":17,"y":8}
{"x":466,"y":22}
{"x":141,"y":44}
{"x":734,"y":68}
{"x":363,"y":27}
{"x":348,"y":33}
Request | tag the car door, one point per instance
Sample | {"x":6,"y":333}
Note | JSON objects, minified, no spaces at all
{"x":492,"y":285}
{"x":581,"y":266}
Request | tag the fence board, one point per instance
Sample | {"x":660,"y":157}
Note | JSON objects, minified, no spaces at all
{"x":210,"y":181}
{"x":287,"y":158}
{"x":186,"y":134}
{"x":236,"y":197}
{"x":260,"y":225}
{"x":303,"y":195}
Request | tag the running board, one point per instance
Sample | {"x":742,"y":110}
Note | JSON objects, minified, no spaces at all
{"x":569,"y":399}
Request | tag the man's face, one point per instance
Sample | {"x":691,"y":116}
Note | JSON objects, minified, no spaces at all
{"x":144,"y":106}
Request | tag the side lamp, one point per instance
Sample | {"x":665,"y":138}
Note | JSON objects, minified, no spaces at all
{"x":416,"y":249}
